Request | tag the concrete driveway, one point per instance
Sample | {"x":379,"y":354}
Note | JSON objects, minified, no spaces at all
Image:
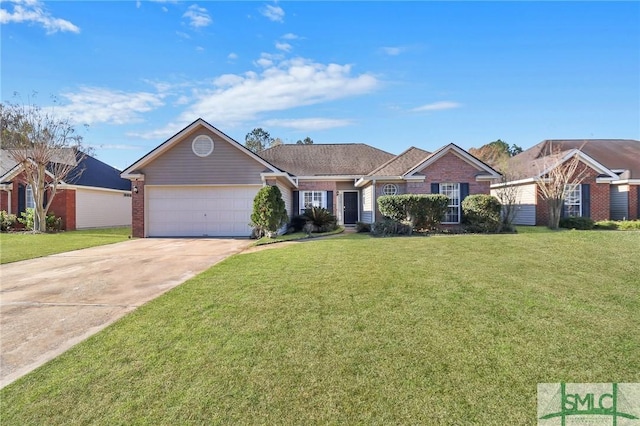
{"x":49,"y":304}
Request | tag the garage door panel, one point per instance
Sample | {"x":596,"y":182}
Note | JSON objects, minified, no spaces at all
{"x":200,"y":211}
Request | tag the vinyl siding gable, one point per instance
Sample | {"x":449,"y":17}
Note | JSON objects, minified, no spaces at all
{"x":226,"y":165}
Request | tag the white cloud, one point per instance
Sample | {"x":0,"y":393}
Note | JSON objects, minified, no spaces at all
{"x":393,"y":51}
{"x":99,"y":105}
{"x":290,"y":36}
{"x":437,"y":106}
{"x":234,"y":99}
{"x":183,"y":35}
{"x":198,"y":16}
{"x":119,"y":147}
{"x":232,"y":56}
{"x":32,"y":11}
{"x":285,"y":47}
{"x":309,"y":124}
{"x":273,"y":13}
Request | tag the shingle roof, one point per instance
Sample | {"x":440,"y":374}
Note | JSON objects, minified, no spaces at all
{"x":98,"y":174}
{"x":614,"y":154}
{"x":350,"y":159}
{"x":89,"y":171}
{"x":402,"y":163}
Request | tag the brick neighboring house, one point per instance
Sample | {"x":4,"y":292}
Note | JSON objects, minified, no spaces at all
{"x":201,"y":182}
{"x":610,"y":188}
{"x":93,"y":196}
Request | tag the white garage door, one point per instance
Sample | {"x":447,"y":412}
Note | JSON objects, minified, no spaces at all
{"x":191,"y":211}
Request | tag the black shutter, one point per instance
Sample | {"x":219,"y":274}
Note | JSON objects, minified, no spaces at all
{"x":586,"y":200}
{"x":296,"y":203}
{"x":330,"y":201}
{"x":45,"y":198}
{"x":464,"y":193}
{"x":22,"y":199}
{"x":638,"y":209}
{"x":435,"y":188}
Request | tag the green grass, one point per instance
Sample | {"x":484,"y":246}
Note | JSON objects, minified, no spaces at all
{"x":359,"y":330}
{"x":23,"y":246}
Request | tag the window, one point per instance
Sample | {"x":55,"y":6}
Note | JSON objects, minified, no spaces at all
{"x":451,"y":190}
{"x":390,"y":189}
{"x":312,"y":199}
{"x":573,"y":200}
{"x":30,"y":202}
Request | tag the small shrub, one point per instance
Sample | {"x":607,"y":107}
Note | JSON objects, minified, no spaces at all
{"x":629,"y":225}
{"x":321,"y":219}
{"x":27,"y":218}
{"x":622,"y":225}
{"x":574,"y":222}
{"x":7,"y":221}
{"x":606,"y":224}
{"x":387,"y":227}
{"x":481,"y":213}
{"x":363,"y":227}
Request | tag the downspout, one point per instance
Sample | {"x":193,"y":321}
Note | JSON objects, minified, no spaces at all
{"x":374,"y":201}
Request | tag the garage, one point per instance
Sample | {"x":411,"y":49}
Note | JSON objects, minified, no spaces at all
{"x":200,"y":211}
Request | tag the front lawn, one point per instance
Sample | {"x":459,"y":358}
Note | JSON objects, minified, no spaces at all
{"x":359,"y":330}
{"x":23,"y":246}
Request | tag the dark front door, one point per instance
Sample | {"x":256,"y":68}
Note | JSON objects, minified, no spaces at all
{"x":350,"y":200}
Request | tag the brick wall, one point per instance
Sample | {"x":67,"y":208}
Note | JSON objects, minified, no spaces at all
{"x":450,"y":169}
{"x":4,"y":201}
{"x":600,"y":198}
{"x":137,"y":209}
{"x":64,"y":206}
{"x":634,"y":212}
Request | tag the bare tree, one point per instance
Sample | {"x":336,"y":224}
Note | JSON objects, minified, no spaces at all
{"x":508,"y":197}
{"x":558,"y":171}
{"x":46,"y":148}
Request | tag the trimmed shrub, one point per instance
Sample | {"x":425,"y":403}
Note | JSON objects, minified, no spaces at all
{"x":606,"y":224}
{"x":629,"y":225}
{"x":574,"y":222}
{"x":622,"y":225}
{"x":321,"y":219}
{"x":7,"y":221}
{"x":269,"y":213}
{"x":419,"y":210}
{"x":363,"y":227}
{"x":387,"y":227}
{"x":481,"y":213}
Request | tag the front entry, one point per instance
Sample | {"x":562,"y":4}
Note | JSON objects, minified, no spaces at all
{"x":350,"y":203}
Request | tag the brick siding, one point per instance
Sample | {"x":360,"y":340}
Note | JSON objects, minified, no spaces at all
{"x":137,"y":209}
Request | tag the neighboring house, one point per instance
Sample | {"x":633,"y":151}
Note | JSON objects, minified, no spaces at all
{"x":201,"y":182}
{"x":93,"y":196}
{"x":610,"y":188}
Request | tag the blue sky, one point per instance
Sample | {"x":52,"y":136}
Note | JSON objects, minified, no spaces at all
{"x":390,"y":74}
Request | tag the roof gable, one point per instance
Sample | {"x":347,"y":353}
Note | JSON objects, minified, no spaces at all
{"x":484,"y":169}
{"x":130,"y":171}
{"x":402,"y":163}
{"x":606,"y":156}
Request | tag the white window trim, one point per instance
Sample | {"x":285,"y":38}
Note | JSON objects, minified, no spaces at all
{"x":390,"y":185}
{"x":29,"y":200}
{"x":576,"y":188}
{"x":323,"y":199}
{"x":457,"y":205}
